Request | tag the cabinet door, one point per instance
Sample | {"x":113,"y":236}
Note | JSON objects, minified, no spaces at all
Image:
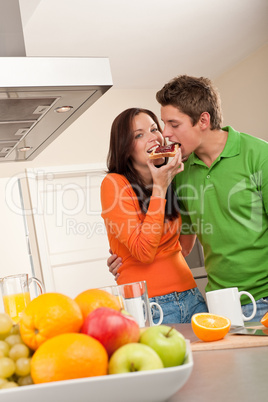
{"x":69,"y":232}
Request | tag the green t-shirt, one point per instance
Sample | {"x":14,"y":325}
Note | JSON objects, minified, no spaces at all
{"x":226,"y":205}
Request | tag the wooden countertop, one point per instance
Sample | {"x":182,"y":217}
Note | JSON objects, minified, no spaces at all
{"x":234,"y":341}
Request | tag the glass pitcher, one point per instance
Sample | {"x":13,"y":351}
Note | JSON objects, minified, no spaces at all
{"x":16,"y":293}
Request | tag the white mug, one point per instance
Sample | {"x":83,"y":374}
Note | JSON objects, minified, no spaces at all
{"x":226,"y":302}
{"x":136,"y":306}
{"x":134,"y":299}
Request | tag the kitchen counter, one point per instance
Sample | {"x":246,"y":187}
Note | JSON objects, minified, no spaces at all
{"x":225,"y":375}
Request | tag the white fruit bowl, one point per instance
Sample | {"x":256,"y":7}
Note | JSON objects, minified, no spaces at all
{"x":149,"y":386}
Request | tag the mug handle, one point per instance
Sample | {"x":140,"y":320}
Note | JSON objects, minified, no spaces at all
{"x":253,"y":302}
{"x":160,"y":312}
{"x":39,"y":284}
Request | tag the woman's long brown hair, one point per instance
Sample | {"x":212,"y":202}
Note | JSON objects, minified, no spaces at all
{"x":119,"y":160}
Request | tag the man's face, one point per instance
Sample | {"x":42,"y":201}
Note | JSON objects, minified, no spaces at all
{"x":179,"y":128}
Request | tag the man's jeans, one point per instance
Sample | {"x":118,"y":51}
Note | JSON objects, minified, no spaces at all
{"x":262,"y":308}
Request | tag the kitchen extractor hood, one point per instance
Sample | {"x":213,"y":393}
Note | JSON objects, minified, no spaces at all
{"x":40,"y":97}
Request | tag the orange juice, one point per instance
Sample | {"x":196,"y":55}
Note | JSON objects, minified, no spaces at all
{"x":15,"y":304}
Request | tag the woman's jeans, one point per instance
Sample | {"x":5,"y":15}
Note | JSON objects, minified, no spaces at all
{"x":178,"y":307}
{"x":262,"y":308}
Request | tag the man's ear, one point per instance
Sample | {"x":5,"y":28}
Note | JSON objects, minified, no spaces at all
{"x":204,"y":120}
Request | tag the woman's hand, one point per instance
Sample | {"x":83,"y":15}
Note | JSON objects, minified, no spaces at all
{"x":163,"y":176}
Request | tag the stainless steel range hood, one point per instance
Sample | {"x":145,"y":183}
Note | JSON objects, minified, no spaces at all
{"x":41,"y":97}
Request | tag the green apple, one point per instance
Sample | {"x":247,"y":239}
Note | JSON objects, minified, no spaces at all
{"x":134,"y":357}
{"x":168,"y":343}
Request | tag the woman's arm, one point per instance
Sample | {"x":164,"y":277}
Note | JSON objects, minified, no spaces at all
{"x":187,"y":243}
{"x":124,"y":221}
{"x":114,"y":262}
{"x":140,"y":234}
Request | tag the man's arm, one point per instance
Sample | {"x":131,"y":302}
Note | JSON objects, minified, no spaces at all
{"x":114,"y":262}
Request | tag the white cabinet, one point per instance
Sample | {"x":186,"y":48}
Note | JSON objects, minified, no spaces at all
{"x":69,"y":234}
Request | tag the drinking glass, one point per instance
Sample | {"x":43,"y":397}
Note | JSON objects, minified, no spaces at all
{"x":134,"y":299}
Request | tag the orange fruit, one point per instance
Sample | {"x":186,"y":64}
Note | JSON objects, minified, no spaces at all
{"x":68,"y":356}
{"x":48,"y":315}
{"x":264,"y":320}
{"x":210,"y":327}
{"x":91,"y":299}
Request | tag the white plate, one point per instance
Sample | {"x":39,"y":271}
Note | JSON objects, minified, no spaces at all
{"x":149,"y":386}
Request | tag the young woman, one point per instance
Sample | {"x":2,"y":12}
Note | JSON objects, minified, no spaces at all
{"x":142,"y":218}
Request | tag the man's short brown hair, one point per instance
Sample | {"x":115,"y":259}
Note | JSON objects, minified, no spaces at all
{"x":193,"y":96}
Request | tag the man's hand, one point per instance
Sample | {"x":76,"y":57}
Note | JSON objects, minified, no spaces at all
{"x":114,"y":262}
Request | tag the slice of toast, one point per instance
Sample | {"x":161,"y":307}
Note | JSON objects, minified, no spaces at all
{"x":164,"y":151}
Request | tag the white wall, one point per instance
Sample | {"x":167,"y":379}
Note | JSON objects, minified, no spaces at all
{"x":14,"y":251}
{"x":244,"y":95}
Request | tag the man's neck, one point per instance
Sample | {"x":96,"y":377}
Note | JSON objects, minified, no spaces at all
{"x":212,"y":145}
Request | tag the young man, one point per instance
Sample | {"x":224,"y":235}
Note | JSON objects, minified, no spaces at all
{"x":223,"y":190}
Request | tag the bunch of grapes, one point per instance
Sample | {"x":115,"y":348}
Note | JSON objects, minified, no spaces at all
{"x":15,"y":356}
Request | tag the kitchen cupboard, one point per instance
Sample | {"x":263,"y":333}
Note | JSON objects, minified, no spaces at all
{"x":69,"y":235}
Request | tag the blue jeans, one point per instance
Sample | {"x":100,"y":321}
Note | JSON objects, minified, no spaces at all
{"x":262,"y":308}
{"x":178,"y":307}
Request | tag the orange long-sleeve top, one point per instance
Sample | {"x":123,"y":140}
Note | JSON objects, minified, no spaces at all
{"x":148,"y":245}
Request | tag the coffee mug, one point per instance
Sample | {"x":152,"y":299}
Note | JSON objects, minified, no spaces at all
{"x":226,"y":302}
{"x":16,"y":293}
{"x":134,"y":299}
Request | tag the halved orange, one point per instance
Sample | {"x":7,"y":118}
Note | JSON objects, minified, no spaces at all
{"x":264,"y":320}
{"x":210,"y":327}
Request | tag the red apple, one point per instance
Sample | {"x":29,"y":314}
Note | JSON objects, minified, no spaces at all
{"x":111,"y":328}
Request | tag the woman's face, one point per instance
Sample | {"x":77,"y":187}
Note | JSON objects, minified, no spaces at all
{"x":146,"y":137}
